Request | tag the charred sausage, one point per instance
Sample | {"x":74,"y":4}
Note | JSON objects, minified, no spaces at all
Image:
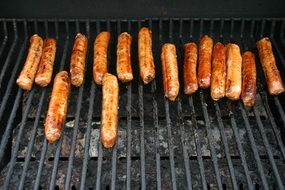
{"x":248,"y":93}
{"x":124,"y":67}
{"x":100,"y":65}
{"x":77,"y":63}
{"x":234,"y":64}
{"x":146,"y":63}
{"x":57,"y":108}
{"x":170,"y":71}
{"x":28,"y":73}
{"x":189,"y":68}
{"x":204,"y":67}
{"x":219,"y":70}
{"x":274,"y":82}
{"x":109,"y":119}
{"x":44,"y":73}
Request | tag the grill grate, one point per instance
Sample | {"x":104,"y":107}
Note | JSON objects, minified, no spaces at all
{"x":188,"y":144}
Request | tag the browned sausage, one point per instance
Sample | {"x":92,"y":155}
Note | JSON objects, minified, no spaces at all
{"x":234,"y":64}
{"x":189,"y":68}
{"x":100,"y":66}
{"x":146,"y":63}
{"x":273,"y":79}
{"x":204,"y":67}
{"x":77,"y":63}
{"x":44,"y":73}
{"x":28,"y":73}
{"x":248,"y":93}
{"x":57,"y":108}
{"x":109,"y":119}
{"x":170,"y":71}
{"x":124,"y":67}
{"x":219,"y":71}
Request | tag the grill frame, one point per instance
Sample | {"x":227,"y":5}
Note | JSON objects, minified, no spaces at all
{"x":94,"y":90}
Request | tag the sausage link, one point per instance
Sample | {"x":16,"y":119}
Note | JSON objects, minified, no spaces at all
{"x":273,"y":79}
{"x":57,"y":108}
{"x":124,"y":67}
{"x":28,"y":73}
{"x":219,"y":71}
{"x":234,"y":64}
{"x":189,"y":68}
{"x":146,"y":63}
{"x":170,"y":71}
{"x":44,"y":73}
{"x":248,"y":93}
{"x":77,"y":63}
{"x":109,"y":128}
{"x":100,"y":66}
{"x":204,"y":67}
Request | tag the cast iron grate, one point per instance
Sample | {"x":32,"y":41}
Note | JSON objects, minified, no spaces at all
{"x":192,"y":143}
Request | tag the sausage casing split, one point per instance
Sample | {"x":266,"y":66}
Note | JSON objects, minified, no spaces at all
{"x":77,"y":63}
{"x":28,"y":73}
{"x":57,"y":109}
{"x":146,"y":63}
{"x":109,"y":119}
{"x":219,"y":71}
{"x":205,"y":57}
{"x":44,"y":73}
{"x":234,"y":64}
{"x":248,"y":93}
{"x":170,"y":71}
{"x":189,"y":68}
{"x":100,"y":65}
{"x":124,"y":67}
{"x":273,"y":79}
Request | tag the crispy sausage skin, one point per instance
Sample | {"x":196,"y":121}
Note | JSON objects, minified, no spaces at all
{"x":100,"y":64}
{"x":204,"y":67}
{"x":28,"y":73}
{"x":124,"y":67}
{"x":248,"y":93}
{"x":170,"y":71}
{"x":234,"y":64}
{"x":219,"y":71}
{"x":189,"y":68}
{"x":77,"y":63}
{"x":274,"y":82}
{"x":146,"y":63}
{"x":44,"y":73}
{"x":57,"y":109}
{"x":109,"y":119}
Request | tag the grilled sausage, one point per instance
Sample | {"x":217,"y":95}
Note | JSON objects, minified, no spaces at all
{"x":219,"y":71}
{"x":109,"y":119}
{"x":189,"y":68}
{"x":273,"y":79}
{"x":146,"y":63}
{"x":100,"y":65}
{"x":204,"y":67}
{"x":124,"y":67}
{"x":170,"y":71}
{"x":234,"y":64}
{"x":248,"y":93}
{"x":57,"y":107}
{"x":77,"y":63}
{"x":44,"y":73}
{"x":28,"y":73}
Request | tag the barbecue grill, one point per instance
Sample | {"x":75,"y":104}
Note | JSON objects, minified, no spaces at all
{"x":192,"y":143}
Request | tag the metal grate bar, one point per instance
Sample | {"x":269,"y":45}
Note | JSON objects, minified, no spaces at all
{"x":129,"y":126}
{"x":93,"y":91}
{"x":181,"y":124}
{"x":41,"y":164}
{"x":76,"y":122}
{"x":5,"y":39}
{"x":9,"y":56}
{"x":210,"y":140}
